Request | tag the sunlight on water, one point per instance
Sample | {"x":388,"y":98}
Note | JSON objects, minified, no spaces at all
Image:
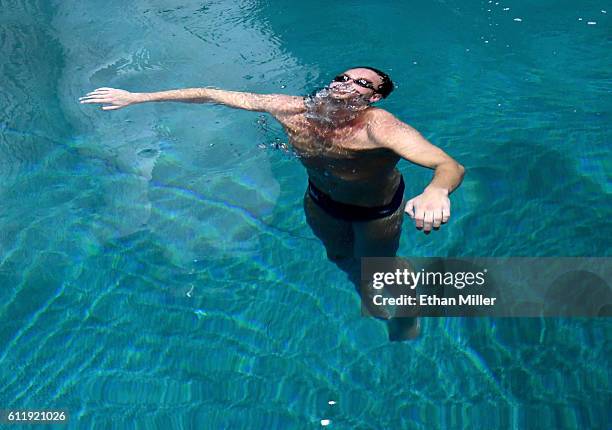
{"x":163,"y":247}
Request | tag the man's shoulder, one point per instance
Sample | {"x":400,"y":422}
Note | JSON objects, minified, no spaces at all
{"x":375,"y":113}
{"x":287,"y":105}
{"x":378,"y":117}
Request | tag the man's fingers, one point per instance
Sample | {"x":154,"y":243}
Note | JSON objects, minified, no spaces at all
{"x":428,"y":221}
{"x":445,"y":214}
{"x":410,"y":208}
{"x":96,"y":100}
{"x":99,"y":91}
{"x":95,"y":96}
{"x":98,"y":95}
{"x":418,"y":218}
{"x":437,"y":218}
{"x":110,"y":107}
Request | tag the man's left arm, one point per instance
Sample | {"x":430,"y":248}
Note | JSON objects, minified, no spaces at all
{"x":432,"y":207}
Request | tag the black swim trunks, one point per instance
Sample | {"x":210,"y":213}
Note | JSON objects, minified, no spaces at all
{"x":350,"y":212}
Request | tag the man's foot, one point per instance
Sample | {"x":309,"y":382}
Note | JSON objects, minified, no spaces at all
{"x":400,"y":329}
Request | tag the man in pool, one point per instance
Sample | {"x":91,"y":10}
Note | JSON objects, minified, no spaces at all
{"x":355,"y":197}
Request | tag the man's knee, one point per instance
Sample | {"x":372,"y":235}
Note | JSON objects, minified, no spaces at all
{"x":377,"y":248}
{"x":337,"y":257}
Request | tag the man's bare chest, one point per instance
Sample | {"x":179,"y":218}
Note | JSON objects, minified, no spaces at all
{"x":312,"y":139}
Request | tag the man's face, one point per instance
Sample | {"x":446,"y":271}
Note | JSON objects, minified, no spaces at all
{"x":356,"y":84}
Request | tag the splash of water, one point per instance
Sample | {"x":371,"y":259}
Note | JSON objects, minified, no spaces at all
{"x":323,"y":107}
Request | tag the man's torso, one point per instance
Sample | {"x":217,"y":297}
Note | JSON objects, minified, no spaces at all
{"x":344,"y":162}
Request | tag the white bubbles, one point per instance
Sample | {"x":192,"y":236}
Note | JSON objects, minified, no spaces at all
{"x":591,"y":23}
{"x":333,"y":106}
{"x":325,"y":423}
{"x":518,"y":19}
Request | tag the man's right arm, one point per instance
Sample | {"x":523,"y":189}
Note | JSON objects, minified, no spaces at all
{"x":275,"y":104}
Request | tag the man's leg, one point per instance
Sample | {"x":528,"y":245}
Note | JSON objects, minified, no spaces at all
{"x":381,"y":238}
{"x":338,"y":237}
{"x":378,"y":238}
{"x":336,"y":234}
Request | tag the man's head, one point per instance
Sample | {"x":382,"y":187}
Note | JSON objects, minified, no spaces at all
{"x":362,"y":82}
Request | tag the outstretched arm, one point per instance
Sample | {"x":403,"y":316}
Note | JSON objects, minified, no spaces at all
{"x":432,"y":207}
{"x":275,"y":104}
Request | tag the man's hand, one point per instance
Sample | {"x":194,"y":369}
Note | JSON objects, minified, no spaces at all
{"x":429,"y":209}
{"x":432,"y":208}
{"x":113,"y":97}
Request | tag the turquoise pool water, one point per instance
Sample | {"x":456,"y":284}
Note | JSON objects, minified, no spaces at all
{"x":156,"y":270}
